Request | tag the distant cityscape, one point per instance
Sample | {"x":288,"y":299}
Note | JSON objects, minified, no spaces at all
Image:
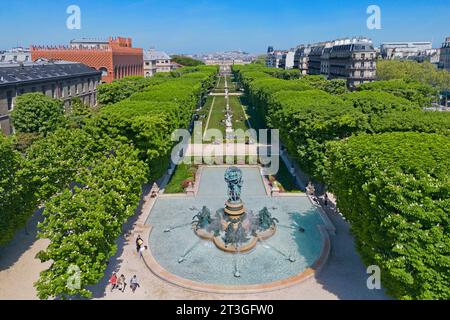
{"x":354,"y":59}
{"x":76,"y":69}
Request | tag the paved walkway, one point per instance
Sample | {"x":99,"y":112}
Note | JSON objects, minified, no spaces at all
{"x":343,"y":277}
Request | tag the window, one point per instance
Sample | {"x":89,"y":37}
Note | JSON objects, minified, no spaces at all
{"x":76,"y":88}
{"x":53,"y":91}
{"x":44,"y":89}
{"x":9,"y":100}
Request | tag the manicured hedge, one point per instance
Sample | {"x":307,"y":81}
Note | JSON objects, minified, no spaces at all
{"x":308,"y":119}
{"x":394,"y":189}
{"x":420,"y":94}
{"x":149,"y":117}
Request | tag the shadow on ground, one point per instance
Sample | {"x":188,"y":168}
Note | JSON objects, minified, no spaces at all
{"x":22,"y":241}
{"x":344,"y":274}
{"x":99,"y":290}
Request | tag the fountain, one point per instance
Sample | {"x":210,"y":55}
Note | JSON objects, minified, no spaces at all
{"x":233,"y":229}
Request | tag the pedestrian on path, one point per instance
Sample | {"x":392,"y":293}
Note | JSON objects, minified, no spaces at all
{"x":141,"y":250}
{"x":139,"y":243}
{"x":113,"y":281}
{"x":134,"y":283}
{"x":122,"y":283}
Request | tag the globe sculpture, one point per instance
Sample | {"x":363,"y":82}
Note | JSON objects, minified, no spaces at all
{"x":233,"y":229}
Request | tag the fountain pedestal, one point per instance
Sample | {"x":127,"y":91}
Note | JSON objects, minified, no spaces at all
{"x":234,"y":210}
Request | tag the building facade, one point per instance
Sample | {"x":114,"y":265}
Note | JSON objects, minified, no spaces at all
{"x":15,"y":55}
{"x":301,"y":59}
{"x":115,"y":58}
{"x":444,"y":58}
{"x":273,"y":59}
{"x":315,"y":59}
{"x":287,"y":60}
{"x":404,"y":50}
{"x":155,"y":62}
{"x":56,"y":79}
{"x":355,"y":62}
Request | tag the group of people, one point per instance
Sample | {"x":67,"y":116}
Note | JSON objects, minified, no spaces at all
{"x":120,"y":283}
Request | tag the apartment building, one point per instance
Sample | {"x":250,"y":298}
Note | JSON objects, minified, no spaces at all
{"x":355,"y":62}
{"x":155,"y":62}
{"x":444,"y":59}
{"x":59,"y":80}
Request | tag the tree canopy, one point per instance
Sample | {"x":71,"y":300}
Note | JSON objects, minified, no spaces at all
{"x":394,"y":189}
{"x":37,"y":113}
{"x":186,"y":61}
{"x":425,"y":73}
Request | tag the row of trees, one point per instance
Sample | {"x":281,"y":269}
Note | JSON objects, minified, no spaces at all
{"x":385,"y":159}
{"x":425,"y":73}
{"x":86,"y":169}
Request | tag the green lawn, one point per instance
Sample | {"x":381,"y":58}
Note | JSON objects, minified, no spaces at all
{"x":218,"y":115}
{"x":183,"y":174}
{"x":239,"y":119}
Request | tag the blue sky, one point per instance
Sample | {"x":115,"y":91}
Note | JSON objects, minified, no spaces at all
{"x":195,"y":26}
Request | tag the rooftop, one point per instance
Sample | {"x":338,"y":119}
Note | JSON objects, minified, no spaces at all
{"x":12,"y":73}
{"x":155,"y":55}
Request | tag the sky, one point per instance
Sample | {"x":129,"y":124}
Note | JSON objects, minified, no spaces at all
{"x":200,"y":26}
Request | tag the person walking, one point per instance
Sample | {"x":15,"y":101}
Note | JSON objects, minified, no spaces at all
{"x":119,"y":283}
{"x":113,"y":281}
{"x":141,"y":251}
{"x":139,"y":243}
{"x":123,"y":282}
{"x":134,"y":283}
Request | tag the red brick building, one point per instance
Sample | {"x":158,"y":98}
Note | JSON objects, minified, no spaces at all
{"x":116,"y":58}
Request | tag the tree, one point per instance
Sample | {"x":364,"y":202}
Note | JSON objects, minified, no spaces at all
{"x":425,"y":73}
{"x":394,"y":189}
{"x":37,"y":113}
{"x":308,"y":119}
{"x":78,"y":114}
{"x":186,"y":61}
{"x":17,"y":201}
{"x":379,"y":102}
{"x":420,"y":94}
{"x":83,"y":222}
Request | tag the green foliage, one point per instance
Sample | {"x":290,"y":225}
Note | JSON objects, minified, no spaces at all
{"x":83,"y":222}
{"x":336,"y":86}
{"x":419,"y":121}
{"x":184,"y":174}
{"x":56,"y":159}
{"x":149,"y":117}
{"x":308,"y":119}
{"x":394,"y":189}
{"x":420,"y":94}
{"x":78,"y":113}
{"x":425,"y":73}
{"x":378,"y":102}
{"x":119,"y":90}
{"x":37,"y":113}
{"x":17,"y":201}
{"x":186,"y":61}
